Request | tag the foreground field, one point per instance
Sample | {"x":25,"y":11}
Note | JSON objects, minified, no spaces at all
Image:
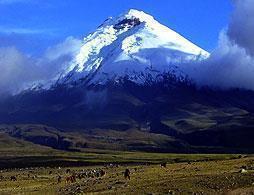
{"x":219,"y":174}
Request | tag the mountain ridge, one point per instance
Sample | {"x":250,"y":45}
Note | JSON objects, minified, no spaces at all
{"x":201,"y":120}
{"x":130,"y":44}
{"x":163,"y":106}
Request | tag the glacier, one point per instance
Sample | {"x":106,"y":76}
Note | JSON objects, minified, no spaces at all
{"x":131,"y":44}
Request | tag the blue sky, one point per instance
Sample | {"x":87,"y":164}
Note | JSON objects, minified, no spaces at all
{"x":33,"y":25}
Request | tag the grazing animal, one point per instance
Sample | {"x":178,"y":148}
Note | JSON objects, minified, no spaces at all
{"x":103,"y":173}
{"x":243,"y":171}
{"x":71,"y":179}
{"x":13,"y":178}
{"x":50,"y":172}
{"x":127,"y":174}
{"x":79,"y":176}
{"x":59,"y":179}
{"x":34,"y":177}
{"x":164,"y":165}
{"x":68,"y":171}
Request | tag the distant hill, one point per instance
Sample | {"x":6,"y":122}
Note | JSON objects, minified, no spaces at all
{"x":175,"y":117}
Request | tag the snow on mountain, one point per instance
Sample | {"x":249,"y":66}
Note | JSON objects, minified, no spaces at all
{"x":130,"y":44}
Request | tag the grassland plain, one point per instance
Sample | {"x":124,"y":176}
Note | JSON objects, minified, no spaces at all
{"x":31,"y":163}
{"x":184,"y":173}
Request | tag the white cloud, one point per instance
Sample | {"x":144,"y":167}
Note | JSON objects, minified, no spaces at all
{"x":241,"y":27}
{"x":19,"y":71}
{"x":8,"y":30}
{"x":70,"y":45}
{"x":231,"y":64}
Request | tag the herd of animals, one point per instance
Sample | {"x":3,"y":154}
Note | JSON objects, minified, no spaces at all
{"x":115,"y":177}
{"x":73,"y":176}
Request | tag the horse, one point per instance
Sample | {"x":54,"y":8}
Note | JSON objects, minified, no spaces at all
{"x":164,"y":165}
{"x":71,"y":179}
{"x":102,"y":173}
{"x":127,"y":174}
{"x":13,"y":178}
{"x":59,"y":179}
{"x":68,"y":171}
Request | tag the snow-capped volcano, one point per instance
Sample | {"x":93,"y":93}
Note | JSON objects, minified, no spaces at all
{"x":131,"y":44}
